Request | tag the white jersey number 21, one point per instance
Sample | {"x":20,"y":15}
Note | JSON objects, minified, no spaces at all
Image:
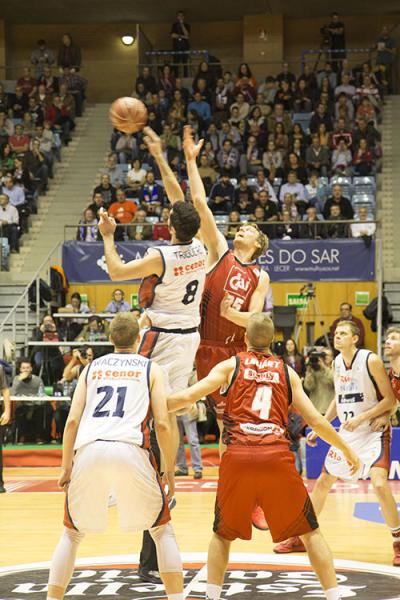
{"x":262,"y":401}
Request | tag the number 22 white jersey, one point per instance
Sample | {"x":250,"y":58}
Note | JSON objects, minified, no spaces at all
{"x":117,"y":400}
{"x":172,"y":301}
{"x":355,"y":389}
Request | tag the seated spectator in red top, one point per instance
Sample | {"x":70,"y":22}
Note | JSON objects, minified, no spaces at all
{"x":27,"y":83}
{"x":365,"y":110}
{"x":69,"y":53}
{"x":340,"y":132}
{"x":161,"y":229}
{"x":128,"y":207}
{"x":346,"y":315}
{"x":152,"y":196}
{"x":244,"y":72}
{"x":18,"y":103}
{"x":363,"y":159}
{"x":19,"y":142}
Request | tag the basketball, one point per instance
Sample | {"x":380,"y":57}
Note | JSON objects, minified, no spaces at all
{"x":128,"y":114}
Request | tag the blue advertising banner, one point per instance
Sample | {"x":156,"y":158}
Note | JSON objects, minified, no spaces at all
{"x":295,"y":260}
{"x":315,"y":457}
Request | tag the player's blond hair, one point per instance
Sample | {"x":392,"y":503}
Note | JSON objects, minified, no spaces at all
{"x":260,"y":330}
{"x":355,"y":330}
{"x":262,"y":240}
{"x":393,"y":329}
{"x":124,"y":330}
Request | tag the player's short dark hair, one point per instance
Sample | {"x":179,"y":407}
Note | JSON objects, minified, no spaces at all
{"x":21,"y":360}
{"x":124,"y":330}
{"x":346,"y":304}
{"x":185,"y":219}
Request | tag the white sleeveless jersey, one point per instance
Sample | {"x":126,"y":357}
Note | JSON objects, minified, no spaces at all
{"x":173,"y":300}
{"x":355,"y":389}
{"x":117,"y":400}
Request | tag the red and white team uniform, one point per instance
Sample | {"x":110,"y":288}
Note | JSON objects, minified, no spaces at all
{"x":355,"y":393}
{"x":258,"y":469}
{"x":112,"y":450}
{"x":220,"y":338}
{"x":395,"y":381}
{"x":172,"y":304}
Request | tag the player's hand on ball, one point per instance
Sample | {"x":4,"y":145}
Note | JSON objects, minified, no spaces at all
{"x":190,"y":148}
{"x":152,"y":141}
{"x":381,"y":423}
{"x":352,"y":460}
{"x":107,"y":225}
{"x":169,"y":481}
{"x":64,"y":479}
{"x":353,"y":423}
{"x":311,"y":439}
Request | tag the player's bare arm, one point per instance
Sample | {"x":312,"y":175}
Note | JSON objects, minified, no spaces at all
{"x":228,"y":310}
{"x":220,"y":375}
{"x":318,"y":422}
{"x":5,"y":417}
{"x":330,"y":414}
{"x":388,"y":402}
{"x":210,"y":235}
{"x":135,"y":269}
{"x":162,"y":423}
{"x":71,"y":429}
{"x":172,"y":188}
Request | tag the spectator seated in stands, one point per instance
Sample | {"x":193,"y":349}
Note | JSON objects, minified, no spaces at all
{"x":114,"y":171}
{"x":139,"y":229}
{"x":363,"y":159}
{"x":7,"y":160}
{"x":284,"y":229}
{"x":118,"y":303}
{"x":252,"y":157}
{"x":125,"y":209}
{"x":344,"y":204}
{"x":293,"y":187}
{"x":88,"y":230}
{"x":35,"y":162}
{"x":341,"y":132}
{"x":73,"y":326}
{"x":126,"y":148}
{"x":222,"y":195}
{"x":362,"y":229}
{"x":9,"y":221}
{"x":262,"y":219}
{"x":152,"y":195}
{"x":136,"y":177}
{"x":96,"y":330}
{"x":319,"y":117}
{"x":47,"y":359}
{"x":147,"y":80}
{"x":27,"y":82}
{"x":293,"y":358}
{"x":289,"y":204}
{"x":272,"y":161}
{"x":317,"y":157}
{"x":14,"y":192}
{"x":106,"y":190}
{"x":244,"y":197}
{"x":202,"y":108}
{"x":269,"y":207}
{"x":341,"y":159}
{"x":76,"y":86}
{"x":19,"y":142}
{"x":98,"y":202}
{"x":161,"y":229}
{"x":346,"y":315}
{"x":233,"y":226}
{"x":279,"y":116}
{"x":6,"y":128}
{"x":18,"y":103}
{"x":33,"y":418}
{"x":228,"y":158}
{"x":207,"y":173}
{"x":310,"y":228}
{"x":262,"y":183}
{"x":336,"y":230}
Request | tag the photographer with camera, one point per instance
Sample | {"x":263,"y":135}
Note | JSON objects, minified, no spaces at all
{"x":318,"y":380}
{"x":47,"y":360}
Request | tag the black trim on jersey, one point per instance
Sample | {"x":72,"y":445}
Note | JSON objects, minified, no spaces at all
{"x":148,"y":378}
{"x":162,"y":330}
{"x":352,"y":360}
{"x":221,"y":258}
{"x":243,"y":264}
{"x":235,"y":373}
{"x":161,"y":489}
{"x":182,"y":243}
{"x":379,"y":396}
{"x":289,"y":386}
{"x":150,"y":351}
{"x":87,"y":372}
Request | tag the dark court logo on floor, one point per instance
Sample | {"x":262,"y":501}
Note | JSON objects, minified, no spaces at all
{"x":248,"y":576}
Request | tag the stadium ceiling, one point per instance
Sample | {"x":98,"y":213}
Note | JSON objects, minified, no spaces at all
{"x":142,"y":11}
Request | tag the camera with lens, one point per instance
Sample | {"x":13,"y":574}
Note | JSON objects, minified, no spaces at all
{"x":314,"y":358}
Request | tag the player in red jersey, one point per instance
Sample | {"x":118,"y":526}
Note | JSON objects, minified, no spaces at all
{"x":235,"y":285}
{"x":257,"y":466}
{"x":392,"y":352}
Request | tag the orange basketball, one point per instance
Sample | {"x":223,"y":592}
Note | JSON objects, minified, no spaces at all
{"x":128,"y":114}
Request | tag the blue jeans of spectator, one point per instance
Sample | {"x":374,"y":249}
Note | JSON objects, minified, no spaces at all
{"x":190,"y":429}
{"x":10,"y":231}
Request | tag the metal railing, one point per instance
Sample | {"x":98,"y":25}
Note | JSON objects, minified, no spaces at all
{"x":23,"y":301}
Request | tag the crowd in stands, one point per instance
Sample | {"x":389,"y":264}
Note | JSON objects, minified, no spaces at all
{"x":37,"y":117}
{"x":286,"y":152}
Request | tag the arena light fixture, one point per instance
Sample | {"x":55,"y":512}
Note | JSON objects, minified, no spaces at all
{"x":127,"y":39}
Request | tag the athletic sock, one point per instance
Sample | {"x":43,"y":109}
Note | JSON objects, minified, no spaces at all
{"x":213,"y":591}
{"x":395,"y":533}
{"x":175,"y":596}
{"x":333,"y":594}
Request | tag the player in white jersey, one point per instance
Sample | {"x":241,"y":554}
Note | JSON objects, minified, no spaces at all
{"x":362,"y":393}
{"x":106,"y":450}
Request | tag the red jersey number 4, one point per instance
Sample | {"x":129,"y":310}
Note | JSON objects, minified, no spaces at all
{"x":262,"y":402}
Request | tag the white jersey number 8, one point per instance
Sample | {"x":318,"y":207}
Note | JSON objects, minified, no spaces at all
{"x":262,"y":401}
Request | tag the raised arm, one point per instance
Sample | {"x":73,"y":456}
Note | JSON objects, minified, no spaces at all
{"x":218,"y":376}
{"x":172,"y":188}
{"x":210,"y":235}
{"x":151,"y":264}
{"x":319,"y":423}
{"x":228,"y":310}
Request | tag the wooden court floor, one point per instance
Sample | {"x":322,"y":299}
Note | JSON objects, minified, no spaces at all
{"x":31,"y":521}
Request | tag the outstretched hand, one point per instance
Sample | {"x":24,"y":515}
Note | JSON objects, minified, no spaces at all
{"x":107,"y":224}
{"x":152,"y":141}
{"x":190,"y":148}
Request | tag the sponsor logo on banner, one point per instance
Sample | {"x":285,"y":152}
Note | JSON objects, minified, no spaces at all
{"x":247,"y":576}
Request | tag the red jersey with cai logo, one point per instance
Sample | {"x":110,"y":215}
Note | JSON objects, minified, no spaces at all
{"x":239,"y":280}
{"x":395,"y":381}
{"x":257,"y":401}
